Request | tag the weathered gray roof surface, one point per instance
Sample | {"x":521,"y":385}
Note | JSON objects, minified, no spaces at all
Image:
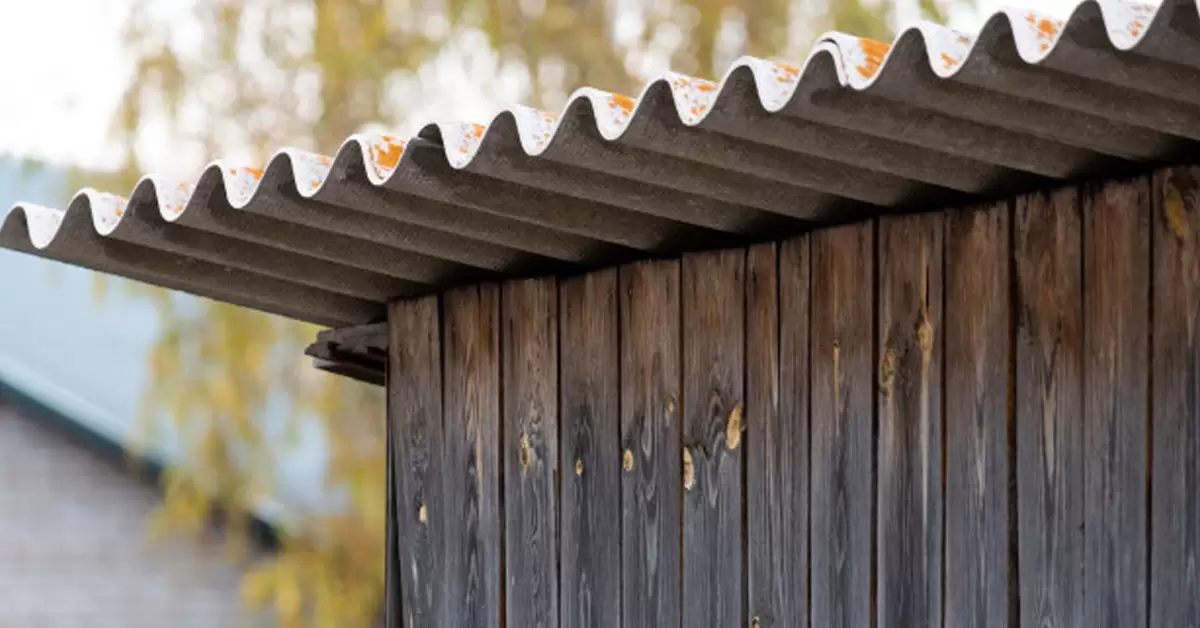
{"x":860,"y":128}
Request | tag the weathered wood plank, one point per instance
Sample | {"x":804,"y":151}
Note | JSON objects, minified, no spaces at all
{"x":976,"y":393}
{"x":651,"y":492}
{"x":713,"y":297}
{"x":1175,"y":486}
{"x":909,"y":508}
{"x":471,"y":469}
{"x":393,"y":615}
{"x":1116,"y":279}
{"x":530,"y":380}
{"x":777,"y":433}
{"x":590,"y":422}
{"x":415,"y":414}
{"x":842,"y":305}
{"x":1049,"y":407}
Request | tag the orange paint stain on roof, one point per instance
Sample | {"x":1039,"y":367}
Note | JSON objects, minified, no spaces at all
{"x":705,"y":86}
{"x":948,"y":61}
{"x":257,"y":173}
{"x":477,"y":130}
{"x":1047,"y":29}
{"x":874,"y":53}
{"x":618,"y":101}
{"x":787,"y":73}
{"x":387,"y":155}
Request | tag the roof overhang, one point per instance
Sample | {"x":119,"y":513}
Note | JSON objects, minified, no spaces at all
{"x":939,"y":118}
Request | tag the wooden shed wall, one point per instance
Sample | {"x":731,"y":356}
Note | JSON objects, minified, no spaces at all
{"x":975,"y":418}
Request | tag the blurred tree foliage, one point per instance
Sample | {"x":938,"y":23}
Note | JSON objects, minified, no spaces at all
{"x":242,"y":77}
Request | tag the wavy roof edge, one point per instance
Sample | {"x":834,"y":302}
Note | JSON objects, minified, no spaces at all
{"x":858,"y":62}
{"x":837,"y":179}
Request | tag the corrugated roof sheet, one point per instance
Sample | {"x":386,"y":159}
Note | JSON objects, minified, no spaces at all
{"x":860,"y":128}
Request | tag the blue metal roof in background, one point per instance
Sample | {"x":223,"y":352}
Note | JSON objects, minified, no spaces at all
{"x":85,"y":358}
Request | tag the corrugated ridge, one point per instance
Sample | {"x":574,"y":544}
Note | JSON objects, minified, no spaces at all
{"x":938,"y":116}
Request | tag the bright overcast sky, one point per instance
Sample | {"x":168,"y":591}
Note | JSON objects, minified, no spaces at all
{"x":62,"y":70}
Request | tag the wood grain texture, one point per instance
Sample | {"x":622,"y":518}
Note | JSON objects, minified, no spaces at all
{"x":713,"y":296}
{"x":841,"y":425}
{"x":529,"y":349}
{"x":471,"y":470}
{"x":909,"y":490}
{"x":1049,"y":407}
{"x":590,"y":431}
{"x":651,"y":488}
{"x":1175,"y":486}
{"x":393,"y":615}
{"x":1116,"y":252}
{"x":977,"y":356}
{"x":777,"y":433}
{"x":415,"y":414}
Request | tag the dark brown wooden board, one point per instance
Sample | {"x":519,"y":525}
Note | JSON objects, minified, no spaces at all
{"x":714,"y":308}
{"x":471,"y":470}
{"x":908,"y":405}
{"x":393,"y":615}
{"x":978,"y":342}
{"x":843,"y":365}
{"x":415,"y":414}
{"x":529,"y":349}
{"x":1049,"y":407}
{"x":591,"y":459}
{"x":1116,"y":314}
{"x":777,"y":433}
{"x":651,"y":488}
{"x":1175,"y":486}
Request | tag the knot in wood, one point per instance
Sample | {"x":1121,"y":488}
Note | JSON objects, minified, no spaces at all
{"x":627,"y":460}
{"x":1175,"y":208}
{"x":689,"y":470}
{"x":887,"y":371}
{"x":578,"y":466}
{"x":733,"y":428}
{"x":526,"y":453}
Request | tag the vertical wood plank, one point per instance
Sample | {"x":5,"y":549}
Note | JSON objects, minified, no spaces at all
{"x":713,"y":297}
{"x":1175,"y":486}
{"x":530,"y":380}
{"x":909,"y":508}
{"x":415,"y":414}
{"x":976,"y":395}
{"x":843,"y":261}
{"x":1049,"y":407}
{"x":471,"y":472}
{"x":393,"y":616}
{"x":651,"y":491}
{"x":777,"y":433}
{"x":1116,"y":318}
{"x":591,"y":500}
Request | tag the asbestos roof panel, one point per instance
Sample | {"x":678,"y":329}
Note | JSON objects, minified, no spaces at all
{"x":859,"y":128}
